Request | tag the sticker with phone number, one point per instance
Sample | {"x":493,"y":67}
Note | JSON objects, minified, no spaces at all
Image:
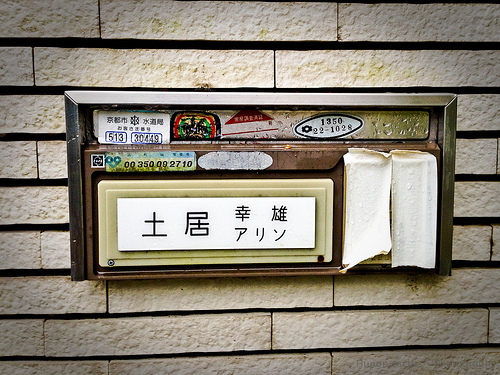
{"x":160,"y":161}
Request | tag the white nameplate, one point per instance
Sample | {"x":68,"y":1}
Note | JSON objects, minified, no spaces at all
{"x":131,"y":127}
{"x":216,"y":223}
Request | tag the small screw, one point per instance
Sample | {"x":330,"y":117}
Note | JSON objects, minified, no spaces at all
{"x":111,"y":262}
{"x":321,"y":258}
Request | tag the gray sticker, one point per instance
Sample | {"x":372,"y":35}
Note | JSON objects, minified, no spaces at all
{"x":235,"y":160}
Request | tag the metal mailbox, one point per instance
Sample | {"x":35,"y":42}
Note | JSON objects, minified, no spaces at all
{"x":206,"y":184}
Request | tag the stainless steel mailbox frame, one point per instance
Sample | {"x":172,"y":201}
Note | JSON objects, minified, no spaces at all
{"x":79,"y":121}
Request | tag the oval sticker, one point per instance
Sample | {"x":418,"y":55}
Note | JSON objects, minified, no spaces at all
{"x":328,"y":125}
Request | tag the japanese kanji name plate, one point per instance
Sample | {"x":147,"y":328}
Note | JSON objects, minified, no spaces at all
{"x":175,"y":222}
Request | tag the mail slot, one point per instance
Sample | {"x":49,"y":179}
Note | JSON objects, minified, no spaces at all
{"x":211,"y":184}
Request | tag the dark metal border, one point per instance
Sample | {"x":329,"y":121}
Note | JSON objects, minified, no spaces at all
{"x":448,"y":133}
{"x":74,"y":141}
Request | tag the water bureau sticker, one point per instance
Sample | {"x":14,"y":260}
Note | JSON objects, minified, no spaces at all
{"x":159,"y":161}
{"x":131,"y":127}
{"x":328,"y":125}
{"x":248,"y":121}
{"x":195,"y":125}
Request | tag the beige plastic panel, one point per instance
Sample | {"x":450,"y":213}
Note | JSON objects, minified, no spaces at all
{"x":110,"y":190}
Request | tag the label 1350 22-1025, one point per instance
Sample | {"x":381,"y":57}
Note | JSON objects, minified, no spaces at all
{"x":328,"y":125}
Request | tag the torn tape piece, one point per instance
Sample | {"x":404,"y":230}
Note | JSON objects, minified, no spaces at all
{"x":367,"y":185}
{"x":414,"y":209}
{"x":228,"y":160}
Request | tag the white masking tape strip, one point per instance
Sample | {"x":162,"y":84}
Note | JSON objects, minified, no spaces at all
{"x":414,"y":209}
{"x":367,"y":194}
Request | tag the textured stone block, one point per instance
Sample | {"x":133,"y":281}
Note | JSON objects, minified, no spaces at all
{"x":52,"y":159}
{"x":476,"y":156}
{"x":22,"y":337}
{"x":419,"y":22}
{"x":428,"y":361}
{"x":303,"y":364}
{"x":34,"y":205}
{"x":51,"y":295}
{"x":49,"y":19}
{"x":158,"y":335}
{"x":220,"y":294}
{"x":219,"y":20}
{"x":471,"y":242}
{"x":55,"y":249}
{"x":54,"y":367}
{"x":477,"y":199}
{"x":495,"y":248}
{"x":18,"y":160}
{"x":153,"y":68}
{"x":20,"y":250}
{"x":355,"y":329}
{"x":465,"y":286}
{"x":478,"y":112}
{"x":16,"y":66}
{"x":494,"y":336}
{"x":387,"y":68}
{"x":32,"y":114}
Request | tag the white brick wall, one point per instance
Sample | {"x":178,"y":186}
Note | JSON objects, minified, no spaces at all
{"x":16,"y":66}
{"x":49,"y":19}
{"x":477,"y":199}
{"x":419,"y":22}
{"x":55,"y":249}
{"x":304,"y":364}
{"x":32,"y":114}
{"x":437,"y":361}
{"x":158,"y":335}
{"x":52,"y":325}
{"x":34,"y":250}
{"x":495,"y":249}
{"x":220,"y":294}
{"x":476,"y":156}
{"x":387,"y":68}
{"x":20,"y":250}
{"x":219,"y":20}
{"x":355,"y":329}
{"x":54,"y":367}
{"x":471,"y":242}
{"x":34,"y":205}
{"x":51,"y":295}
{"x":498,"y":156}
{"x":21,"y":337}
{"x":153,"y":68}
{"x":18,"y":160}
{"x":478,"y":112}
{"x":494,"y":336}
{"x":52,"y":159}
{"x":465,"y":286}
